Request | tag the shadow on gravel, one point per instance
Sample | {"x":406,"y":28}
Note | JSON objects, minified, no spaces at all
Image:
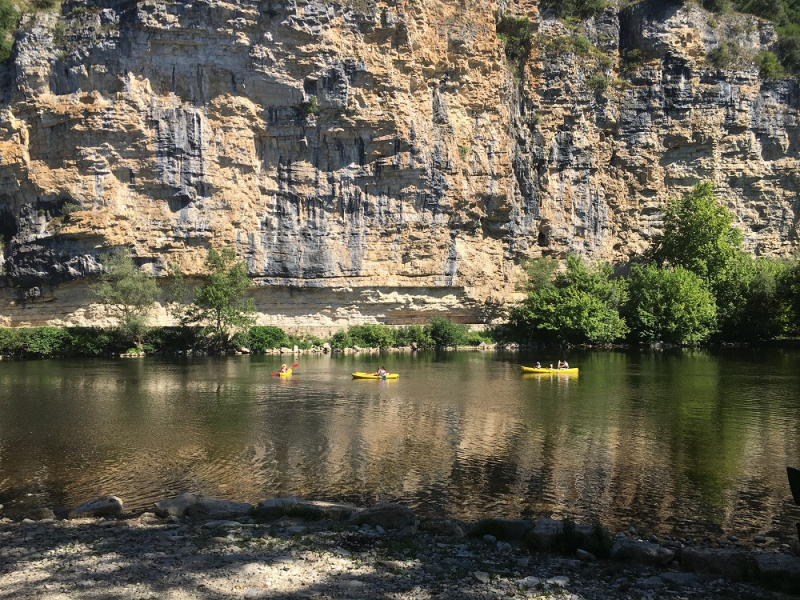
{"x":109,"y":560}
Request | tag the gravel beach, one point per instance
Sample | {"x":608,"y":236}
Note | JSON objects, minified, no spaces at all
{"x":150,"y":556}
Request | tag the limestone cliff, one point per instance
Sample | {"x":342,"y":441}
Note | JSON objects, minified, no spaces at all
{"x":372,"y":160}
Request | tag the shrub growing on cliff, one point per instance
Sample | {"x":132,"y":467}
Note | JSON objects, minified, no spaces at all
{"x":769,"y":67}
{"x":579,"y":9}
{"x":598,"y":83}
{"x":128,"y":292}
{"x":219,"y":304}
{"x":309,"y":107}
{"x":724,"y":54}
{"x":516,"y":34}
{"x":9,"y":18}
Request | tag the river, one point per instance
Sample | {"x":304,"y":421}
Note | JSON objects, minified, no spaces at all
{"x":687,"y":443}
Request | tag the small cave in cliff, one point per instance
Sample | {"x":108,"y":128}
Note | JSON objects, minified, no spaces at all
{"x":8,"y":226}
{"x":541,"y":240}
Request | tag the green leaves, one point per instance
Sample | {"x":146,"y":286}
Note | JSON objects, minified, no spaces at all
{"x":580,"y":305}
{"x":219,"y":303}
{"x":128,"y":292}
{"x":671,"y":305}
{"x":698,"y":235}
{"x":517,"y":35}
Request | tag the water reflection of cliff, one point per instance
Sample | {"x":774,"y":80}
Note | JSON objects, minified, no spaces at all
{"x":691,"y":443}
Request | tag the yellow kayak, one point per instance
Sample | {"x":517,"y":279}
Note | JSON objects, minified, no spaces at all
{"x":287,"y":374}
{"x":535,"y":371}
{"x":362,"y":375}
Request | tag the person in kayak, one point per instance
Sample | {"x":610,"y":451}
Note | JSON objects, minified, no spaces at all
{"x":382,"y":372}
{"x":562,"y":364}
{"x":284,"y":369}
{"x":538,"y":365}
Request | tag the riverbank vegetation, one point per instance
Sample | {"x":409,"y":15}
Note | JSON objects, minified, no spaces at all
{"x":695,"y":285}
{"x":43,"y":342}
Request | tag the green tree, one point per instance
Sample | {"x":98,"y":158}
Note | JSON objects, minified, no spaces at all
{"x":414,"y":334}
{"x":749,"y":300}
{"x":372,"y":336}
{"x":128,"y":292}
{"x":219,"y":304}
{"x":580,"y":305}
{"x":789,"y":293}
{"x":698,"y":235}
{"x":671,"y":305}
{"x":264,"y":337}
{"x":341,"y":340}
{"x":446,"y":334}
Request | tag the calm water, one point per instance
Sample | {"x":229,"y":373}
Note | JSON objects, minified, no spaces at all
{"x":689,"y":443}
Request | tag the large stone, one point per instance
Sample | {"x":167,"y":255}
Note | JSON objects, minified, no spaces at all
{"x":439,"y":526}
{"x":175,"y":507}
{"x":39,"y":514}
{"x":641,"y":552}
{"x":781,"y":571}
{"x":388,"y":516}
{"x":547,"y":531}
{"x":730,"y":564}
{"x":275,"y":508}
{"x":214,"y":508}
{"x":107,"y":506}
{"x":294,"y":506}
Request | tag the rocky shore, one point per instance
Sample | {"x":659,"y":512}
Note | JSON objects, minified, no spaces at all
{"x":195,"y":547}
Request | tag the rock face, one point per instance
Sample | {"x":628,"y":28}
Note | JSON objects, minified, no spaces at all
{"x":371,"y":161}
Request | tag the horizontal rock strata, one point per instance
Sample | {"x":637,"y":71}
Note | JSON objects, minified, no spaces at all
{"x":372,"y":161}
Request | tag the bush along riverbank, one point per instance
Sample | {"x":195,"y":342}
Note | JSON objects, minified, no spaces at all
{"x":43,"y":342}
{"x":195,"y":547}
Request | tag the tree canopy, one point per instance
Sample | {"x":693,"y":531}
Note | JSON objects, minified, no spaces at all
{"x":698,"y":235}
{"x":220,"y":304}
{"x":129,"y":293}
{"x":580,"y":305}
{"x":671,"y":305}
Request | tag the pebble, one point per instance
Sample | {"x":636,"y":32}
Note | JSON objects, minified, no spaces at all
{"x":559,"y":581}
{"x":481,"y":576}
